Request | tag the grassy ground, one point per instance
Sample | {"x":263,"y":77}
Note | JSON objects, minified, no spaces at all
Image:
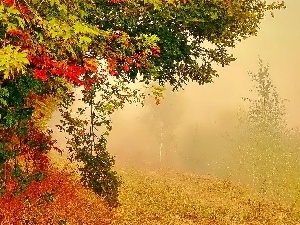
{"x":169,"y":197}
{"x":164,"y":196}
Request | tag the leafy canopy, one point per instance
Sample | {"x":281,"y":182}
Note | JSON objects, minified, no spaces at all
{"x":161,"y":40}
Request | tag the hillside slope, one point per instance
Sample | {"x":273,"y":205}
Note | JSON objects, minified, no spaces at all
{"x":169,"y":197}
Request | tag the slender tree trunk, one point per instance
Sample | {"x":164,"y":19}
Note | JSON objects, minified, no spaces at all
{"x":91,"y":126}
{"x":161,"y":142}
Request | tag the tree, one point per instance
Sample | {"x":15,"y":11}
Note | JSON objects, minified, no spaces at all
{"x":162,"y":121}
{"x":49,"y":47}
{"x":89,"y":127}
{"x":266,"y":152}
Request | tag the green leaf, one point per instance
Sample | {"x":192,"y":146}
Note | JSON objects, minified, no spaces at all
{"x":21,"y":22}
{"x":13,"y":10}
{"x":52,"y":3}
{"x":3,"y":94}
{"x":12,"y":59}
{"x":84,"y":40}
{"x":156,"y":3}
{"x":214,"y":16}
{"x":17,"y":171}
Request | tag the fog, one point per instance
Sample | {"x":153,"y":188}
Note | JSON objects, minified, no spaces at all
{"x":190,"y":130}
{"x":203,"y":115}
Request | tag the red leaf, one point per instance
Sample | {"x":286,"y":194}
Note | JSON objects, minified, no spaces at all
{"x":40,"y":74}
{"x":126,"y":67}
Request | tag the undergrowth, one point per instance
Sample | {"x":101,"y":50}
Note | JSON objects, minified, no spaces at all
{"x":59,"y":199}
{"x":147,"y":196}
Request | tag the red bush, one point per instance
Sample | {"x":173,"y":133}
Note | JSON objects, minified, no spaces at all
{"x":58,"y":199}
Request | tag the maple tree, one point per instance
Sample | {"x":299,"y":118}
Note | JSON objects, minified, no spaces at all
{"x":49,"y":47}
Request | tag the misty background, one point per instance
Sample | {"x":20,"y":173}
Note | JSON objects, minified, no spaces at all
{"x":197,"y":119}
{"x":191,"y":129}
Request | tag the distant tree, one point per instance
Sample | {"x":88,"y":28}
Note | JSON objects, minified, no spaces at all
{"x":163,"y":118}
{"x":265,"y":150}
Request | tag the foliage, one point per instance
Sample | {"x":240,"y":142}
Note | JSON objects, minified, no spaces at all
{"x":266,"y":152}
{"x":23,"y":147}
{"x":159,"y":39}
{"x":49,"y":47}
{"x":58,"y":199}
{"x":184,"y":28}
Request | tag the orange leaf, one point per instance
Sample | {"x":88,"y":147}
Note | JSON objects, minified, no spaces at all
{"x":91,"y":64}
